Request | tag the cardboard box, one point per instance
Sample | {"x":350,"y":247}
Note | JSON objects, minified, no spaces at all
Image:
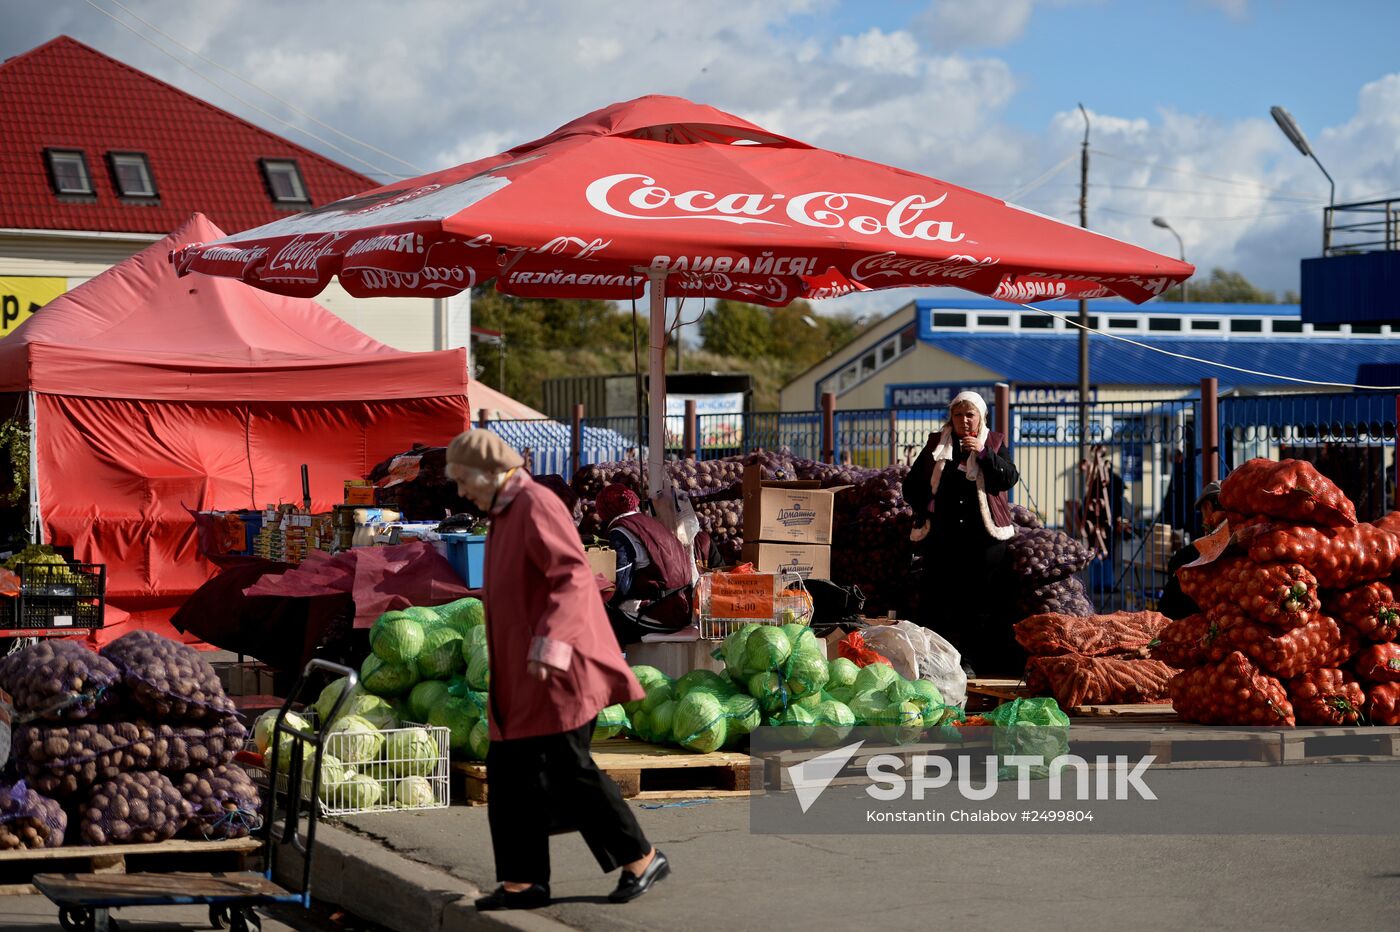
{"x":602,"y":560}
{"x":786,"y":512}
{"x":806,"y":560}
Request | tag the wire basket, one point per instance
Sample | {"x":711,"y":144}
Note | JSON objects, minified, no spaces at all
{"x":347,"y":791}
{"x":787,"y":602}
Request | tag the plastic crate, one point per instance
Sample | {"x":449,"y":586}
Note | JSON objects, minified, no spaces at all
{"x":467,"y":554}
{"x":54,"y":596}
{"x":252,"y":524}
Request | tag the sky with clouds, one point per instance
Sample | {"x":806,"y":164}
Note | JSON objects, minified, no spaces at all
{"x":982,"y":93}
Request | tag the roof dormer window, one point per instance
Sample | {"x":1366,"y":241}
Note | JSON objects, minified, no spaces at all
{"x":283,"y":179}
{"x":68,"y":171}
{"x":131,"y":174}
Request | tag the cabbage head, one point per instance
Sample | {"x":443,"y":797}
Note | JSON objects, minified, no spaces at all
{"x":396,"y":638}
{"x":733,"y":649}
{"x":423,"y":697}
{"x":770,"y":691}
{"x":699,"y":722}
{"x":841,"y":673}
{"x":480,"y":739}
{"x":376,"y":710}
{"x":660,"y":723}
{"x":387,"y":679}
{"x":441,"y":655}
{"x":411,"y":752}
{"x":833,"y":722}
{"x":262,"y":730}
{"x":478,"y":671}
{"x":355,"y":740}
{"x":927,"y":696}
{"x":328,"y":696}
{"x":356,"y":791}
{"x":797,"y":724}
{"x":414,"y":793}
{"x":743,"y":713}
{"x":875,"y":677}
{"x":767,"y":648}
{"x":807,"y":673}
{"x":457,"y":715}
{"x":701,"y":679}
{"x":611,"y":722}
{"x":872,"y":708}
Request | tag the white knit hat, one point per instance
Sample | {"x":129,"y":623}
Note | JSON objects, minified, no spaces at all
{"x":973,"y":398}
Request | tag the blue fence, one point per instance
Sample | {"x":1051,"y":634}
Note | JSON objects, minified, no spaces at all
{"x":1152,"y":446}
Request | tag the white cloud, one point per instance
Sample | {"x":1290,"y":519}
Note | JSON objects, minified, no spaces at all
{"x":893,"y":53}
{"x":955,"y":24}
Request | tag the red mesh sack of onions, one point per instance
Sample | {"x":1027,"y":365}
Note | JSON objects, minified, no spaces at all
{"x":1383,"y":704}
{"x":1231,"y":691}
{"x":1379,"y":663}
{"x":1319,"y":643}
{"x":1326,"y":697}
{"x":1339,"y":557}
{"x":1280,"y":595}
{"x":1290,"y":489}
{"x":1371,"y":610}
{"x":1184,"y":643}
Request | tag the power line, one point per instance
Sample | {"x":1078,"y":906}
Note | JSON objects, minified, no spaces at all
{"x":247,"y":103}
{"x":1277,"y":213}
{"x":1157,"y":166}
{"x":1208,"y":362}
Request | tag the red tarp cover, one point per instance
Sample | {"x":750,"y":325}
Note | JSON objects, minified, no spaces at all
{"x":245,"y":387}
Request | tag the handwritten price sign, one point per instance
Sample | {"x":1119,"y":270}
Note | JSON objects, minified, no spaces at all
{"x":742,"y":595}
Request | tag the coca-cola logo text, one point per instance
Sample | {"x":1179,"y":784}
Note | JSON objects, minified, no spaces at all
{"x":891,"y":265}
{"x":303,"y":254}
{"x":638,"y":197}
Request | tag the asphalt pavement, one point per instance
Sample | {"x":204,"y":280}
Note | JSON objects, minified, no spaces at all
{"x":725,"y":876}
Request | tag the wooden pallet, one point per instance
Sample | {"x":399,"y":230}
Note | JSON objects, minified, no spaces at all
{"x":643,"y":771}
{"x":1341,"y":745}
{"x":1141,"y":713}
{"x":1177,"y":746}
{"x":17,"y":868}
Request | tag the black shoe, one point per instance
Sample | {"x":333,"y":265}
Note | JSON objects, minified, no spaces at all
{"x":533,"y":898}
{"x":630,"y":886}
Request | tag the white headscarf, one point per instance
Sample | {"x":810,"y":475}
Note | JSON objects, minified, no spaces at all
{"x":947,"y":441}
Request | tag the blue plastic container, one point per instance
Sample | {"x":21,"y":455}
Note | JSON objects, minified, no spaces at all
{"x":467,"y":554}
{"x":252,"y":525}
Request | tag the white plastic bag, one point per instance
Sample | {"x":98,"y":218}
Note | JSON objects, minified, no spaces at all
{"x":896,"y":646}
{"x":939,"y":662}
{"x":674,"y":510}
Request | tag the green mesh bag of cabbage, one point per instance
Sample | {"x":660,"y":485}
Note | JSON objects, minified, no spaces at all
{"x":1032,"y":727}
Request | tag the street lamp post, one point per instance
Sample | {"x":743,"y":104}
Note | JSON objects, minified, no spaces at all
{"x":1180,"y":246}
{"x":1285,"y":122}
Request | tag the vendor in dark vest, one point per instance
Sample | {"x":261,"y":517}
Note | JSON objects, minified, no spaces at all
{"x":957,"y":488}
{"x":654,"y":571}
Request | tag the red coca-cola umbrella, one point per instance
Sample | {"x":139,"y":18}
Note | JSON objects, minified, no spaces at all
{"x":697,"y":202}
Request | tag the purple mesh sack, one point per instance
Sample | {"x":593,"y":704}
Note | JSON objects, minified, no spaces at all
{"x":133,"y":808}
{"x":225,"y":801}
{"x":29,"y":820}
{"x":63,"y":760}
{"x":58,"y":680}
{"x":168,"y":679}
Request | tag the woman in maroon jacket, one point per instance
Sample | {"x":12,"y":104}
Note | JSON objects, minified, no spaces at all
{"x":957,"y":487}
{"x":654,"y":571}
{"x":554,"y":666}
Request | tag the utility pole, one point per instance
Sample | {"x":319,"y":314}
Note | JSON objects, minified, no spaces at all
{"x":1084,"y":309}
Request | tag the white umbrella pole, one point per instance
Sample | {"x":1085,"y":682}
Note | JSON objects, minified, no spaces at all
{"x":656,"y":385}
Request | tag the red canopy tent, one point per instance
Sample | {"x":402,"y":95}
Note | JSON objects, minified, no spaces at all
{"x":149,"y":394}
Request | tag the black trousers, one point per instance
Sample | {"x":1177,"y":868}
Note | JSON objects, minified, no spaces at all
{"x":534,"y":784}
{"x":967,"y":600}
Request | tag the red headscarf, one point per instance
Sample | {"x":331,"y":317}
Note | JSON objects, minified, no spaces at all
{"x":614,"y":501}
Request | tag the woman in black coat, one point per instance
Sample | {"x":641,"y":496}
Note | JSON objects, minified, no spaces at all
{"x":962,"y":521}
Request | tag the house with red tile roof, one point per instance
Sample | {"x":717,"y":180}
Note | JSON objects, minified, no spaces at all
{"x":99,"y":159}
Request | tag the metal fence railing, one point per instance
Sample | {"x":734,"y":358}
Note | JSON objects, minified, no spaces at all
{"x":1153,"y":447}
{"x":1150,"y":449}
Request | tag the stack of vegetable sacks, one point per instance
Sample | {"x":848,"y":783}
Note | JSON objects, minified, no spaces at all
{"x":1298,"y":623}
{"x":134,"y":743}
{"x":1095,"y":660}
{"x":1044,"y":565}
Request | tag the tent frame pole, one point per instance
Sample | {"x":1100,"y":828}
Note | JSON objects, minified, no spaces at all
{"x":36,"y":522}
{"x":656,"y":384}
